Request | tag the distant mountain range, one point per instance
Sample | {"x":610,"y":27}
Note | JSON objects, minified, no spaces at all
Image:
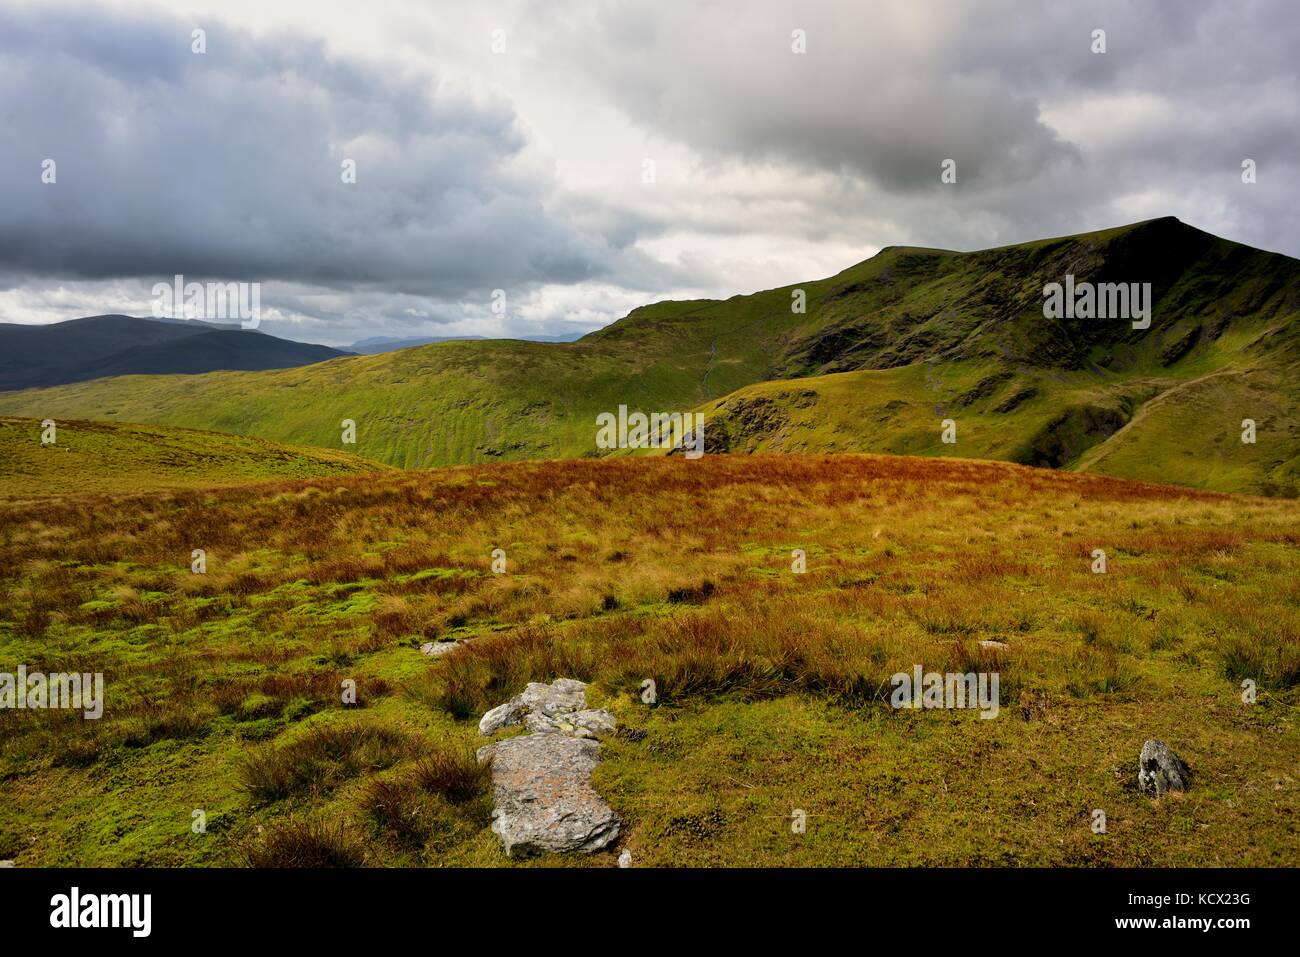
{"x":880,"y":357}
{"x":101,"y":346}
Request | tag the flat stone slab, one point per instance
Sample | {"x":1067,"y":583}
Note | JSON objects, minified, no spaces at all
{"x":544,"y":799}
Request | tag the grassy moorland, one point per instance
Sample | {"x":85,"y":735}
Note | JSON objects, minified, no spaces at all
{"x":108,"y":457}
{"x":928,"y":334}
{"x":223,"y":689}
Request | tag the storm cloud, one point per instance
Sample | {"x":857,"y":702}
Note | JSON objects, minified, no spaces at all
{"x":524,"y":169}
{"x":229,"y":164}
{"x":1047,"y":135}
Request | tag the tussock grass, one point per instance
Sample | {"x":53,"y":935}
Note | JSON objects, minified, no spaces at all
{"x":630,"y":569}
{"x":443,"y":791}
{"x":321,"y":759}
{"x":454,"y":773}
{"x":399,"y":811}
{"x":311,"y":844}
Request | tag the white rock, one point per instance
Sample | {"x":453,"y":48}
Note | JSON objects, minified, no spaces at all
{"x":559,"y":697}
{"x":593,"y":723}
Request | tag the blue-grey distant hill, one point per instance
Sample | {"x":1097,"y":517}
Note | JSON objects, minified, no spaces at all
{"x":97,"y":347}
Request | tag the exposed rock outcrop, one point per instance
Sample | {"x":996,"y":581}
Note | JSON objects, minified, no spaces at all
{"x":544,"y":801}
{"x":543,"y":794}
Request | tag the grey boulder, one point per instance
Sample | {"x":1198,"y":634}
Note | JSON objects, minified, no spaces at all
{"x":541,"y":782}
{"x":543,"y":795}
{"x":1160,"y":770}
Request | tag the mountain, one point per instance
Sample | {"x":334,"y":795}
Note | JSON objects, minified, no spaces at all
{"x":377,"y":344}
{"x":884,"y":352}
{"x":111,"y":457}
{"x":101,"y":346}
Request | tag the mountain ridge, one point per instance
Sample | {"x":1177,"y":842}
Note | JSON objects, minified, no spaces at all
{"x":931,"y":334}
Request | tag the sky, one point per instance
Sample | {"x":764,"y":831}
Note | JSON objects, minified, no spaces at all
{"x":542,"y":168}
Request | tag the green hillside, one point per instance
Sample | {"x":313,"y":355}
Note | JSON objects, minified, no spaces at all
{"x":1155,"y":428}
{"x":107,"y":457}
{"x":924,"y":335}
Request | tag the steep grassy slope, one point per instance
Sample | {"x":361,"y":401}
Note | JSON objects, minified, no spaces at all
{"x":223,"y":690}
{"x":1158,"y":428}
{"x":1154,"y":446}
{"x":107,"y":457}
{"x":956,"y":333}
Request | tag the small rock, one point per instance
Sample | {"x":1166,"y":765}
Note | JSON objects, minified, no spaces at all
{"x":543,"y":795}
{"x":992,"y":645}
{"x":594,"y":723}
{"x":435,"y":649}
{"x":8,"y":864}
{"x":625,"y":859}
{"x":1160,"y":770}
{"x":502,"y":716}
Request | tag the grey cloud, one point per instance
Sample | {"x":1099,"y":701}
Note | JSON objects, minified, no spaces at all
{"x":888,"y":90}
{"x":227,"y":165}
{"x":861,"y":100}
